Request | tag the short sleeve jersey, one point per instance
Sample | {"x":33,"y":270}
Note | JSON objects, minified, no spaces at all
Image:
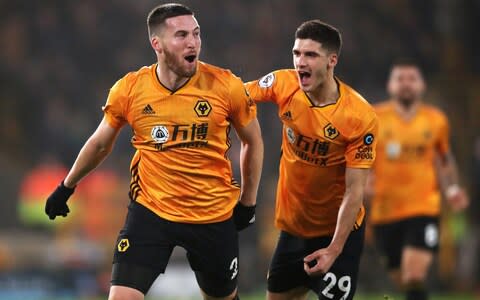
{"x":405,"y":180}
{"x":318,"y":143}
{"x":180,"y":169}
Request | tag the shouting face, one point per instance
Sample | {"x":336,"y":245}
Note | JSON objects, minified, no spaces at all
{"x":313,"y":63}
{"x":178,"y":44}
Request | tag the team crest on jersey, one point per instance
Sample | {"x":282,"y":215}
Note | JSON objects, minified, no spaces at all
{"x":123,"y":245}
{"x":330,"y":131}
{"x":203,"y":108}
{"x":267,"y":80}
{"x":160,"y":134}
{"x":290,"y":135}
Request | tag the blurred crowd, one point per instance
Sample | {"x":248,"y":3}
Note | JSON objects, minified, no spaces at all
{"x":58,"y":60}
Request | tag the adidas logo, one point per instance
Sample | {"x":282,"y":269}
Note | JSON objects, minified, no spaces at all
{"x":287,"y":115}
{"x":148,"y":110}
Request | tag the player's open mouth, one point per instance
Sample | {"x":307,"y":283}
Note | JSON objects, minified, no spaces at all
{"x":190,"y":58}
{"x":304,"y":76}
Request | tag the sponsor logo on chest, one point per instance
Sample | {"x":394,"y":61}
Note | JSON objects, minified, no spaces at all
{"x":183,"y":134}
{"x":309,"y":149}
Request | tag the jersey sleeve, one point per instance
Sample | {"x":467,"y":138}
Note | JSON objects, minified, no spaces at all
{"x":243,"y":109}
{"x":361,"y":151}
{"x":114,"y":109}
{"x":443,"y":143}
{"x":266,"y":88}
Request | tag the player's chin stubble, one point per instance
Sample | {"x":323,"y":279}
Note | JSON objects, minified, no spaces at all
{"x":175,"y":64}
{"x":406,"y":100}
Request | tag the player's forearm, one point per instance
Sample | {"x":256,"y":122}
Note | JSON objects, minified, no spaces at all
{"x":251,"y":160}
{"x":447,"y":172}
{"x":347,"y":215}
{"x":355,"y":181}
{"x":89,"y":157}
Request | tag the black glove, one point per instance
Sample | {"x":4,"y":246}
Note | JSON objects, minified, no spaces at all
{"x":57,"y":202}
{"x":243,"y":216}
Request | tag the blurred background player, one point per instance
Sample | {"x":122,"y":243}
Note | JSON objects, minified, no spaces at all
{"x":328,"y":146}
{"x":182,"y":191}
{"x":413,"y":155}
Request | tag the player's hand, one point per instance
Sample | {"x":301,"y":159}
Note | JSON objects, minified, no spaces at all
{"x":320,"y":261}
{"x":57,"y":202}
{"x":457,"y":198}
{"x":243,"y":216}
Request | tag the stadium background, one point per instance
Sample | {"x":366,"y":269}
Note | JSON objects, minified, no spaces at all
{"x":59,"y":58}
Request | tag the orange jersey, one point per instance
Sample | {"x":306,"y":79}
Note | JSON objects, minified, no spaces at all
{"x":180,"y":170}
{"x":405,"y":180}
{"x":318,"y":143}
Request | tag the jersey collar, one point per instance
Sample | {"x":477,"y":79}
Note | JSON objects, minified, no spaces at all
{"x":164,"y":89}
{"x":341,"y":92}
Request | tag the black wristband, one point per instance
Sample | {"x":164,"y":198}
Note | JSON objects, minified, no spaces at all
{"x":243,"y":215}
{"x":66,"y":188}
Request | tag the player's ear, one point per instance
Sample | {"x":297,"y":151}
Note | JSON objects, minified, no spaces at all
{"x":332,"y":60}
{"x":389,"y":85}
{"x":423,"y":85}
{"x":155,"y":42}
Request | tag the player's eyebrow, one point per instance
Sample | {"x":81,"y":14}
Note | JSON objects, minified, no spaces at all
{"x":306,"y":53}
{"x":185,"y":32}
{"x":181,"y":32}
{"x":311,"y":53}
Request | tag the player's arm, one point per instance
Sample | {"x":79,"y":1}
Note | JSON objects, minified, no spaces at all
{"x":243,"y":117}
{"x":95,"y":150}
{"x":251,"y":160}
{"x":363,"y":140}
{"x":370,"y":185}
{"x":97,"y":147}
{"x":355,"y":181}
{"x":447,"y":174}
{"x":446,"y":167}
{"x":263,"y":89}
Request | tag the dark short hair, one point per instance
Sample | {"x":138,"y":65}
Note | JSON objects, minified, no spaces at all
{"x":321,"y":32}
{"x":406,"y":62}
{"x":159,"y":14}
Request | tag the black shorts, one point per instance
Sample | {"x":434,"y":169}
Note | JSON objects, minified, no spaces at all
{"x":146,"y":242}
{"x":286,"y":269}
{"x":418,"y":232}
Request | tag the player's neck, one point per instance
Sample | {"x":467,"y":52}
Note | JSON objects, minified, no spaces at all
{"x":325,"y":94}
{"x":168,"y":78}
{"x":406,"y":111}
